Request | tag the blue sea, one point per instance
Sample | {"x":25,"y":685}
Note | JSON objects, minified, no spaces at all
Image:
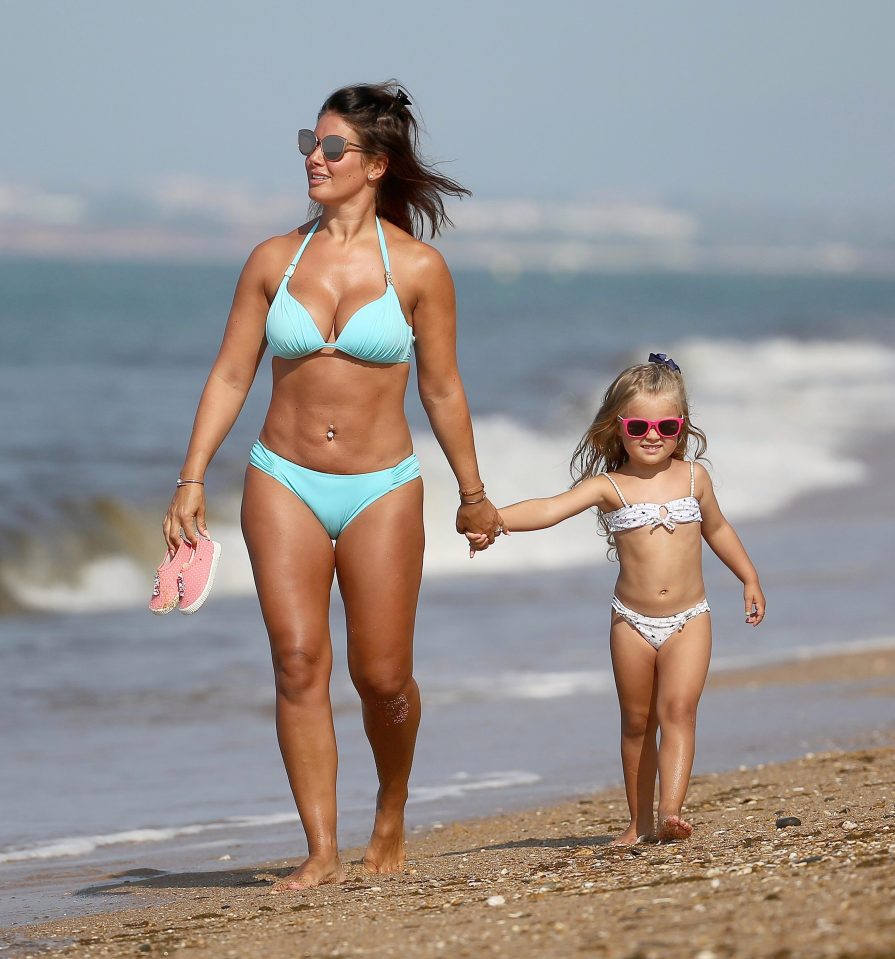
{"x":134,"y":742}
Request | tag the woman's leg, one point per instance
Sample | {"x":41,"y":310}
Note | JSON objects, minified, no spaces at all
{"x":293,"y":562}
{"x":634,"y":666}
{"x":379,"y":562}
{"x":681,"y":668}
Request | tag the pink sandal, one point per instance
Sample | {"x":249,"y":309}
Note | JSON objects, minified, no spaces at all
{"x":165,"y":590}
{"x":196,"y":577}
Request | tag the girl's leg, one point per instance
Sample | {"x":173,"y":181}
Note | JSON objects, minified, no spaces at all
{"x":293,"y":562}
{"x":634,"y":666}
{"x":379,"y":562}
{"x":681,"y":668}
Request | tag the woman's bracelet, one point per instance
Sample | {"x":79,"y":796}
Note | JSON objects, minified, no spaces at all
{"x":475,"y":502}
{"x":186,"y":482}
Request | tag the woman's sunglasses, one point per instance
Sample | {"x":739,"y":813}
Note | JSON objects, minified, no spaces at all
{"x":637,"y":428}
{"x":332,"y":147}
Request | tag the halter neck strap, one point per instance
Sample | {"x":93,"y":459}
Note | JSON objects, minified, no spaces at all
{"x":291,"y":268}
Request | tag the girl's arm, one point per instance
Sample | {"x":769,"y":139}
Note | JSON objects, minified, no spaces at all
{"x":726,"y":545}
{"x":542,"y":513}
{"x":222,"y":399}
{"x":441,"y":389}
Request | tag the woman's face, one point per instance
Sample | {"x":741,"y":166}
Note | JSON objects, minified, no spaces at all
{"x":335,"y":181}
{"x":652,"y":449}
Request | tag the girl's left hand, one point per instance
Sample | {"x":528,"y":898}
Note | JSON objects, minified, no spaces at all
{"x":755,"y":603}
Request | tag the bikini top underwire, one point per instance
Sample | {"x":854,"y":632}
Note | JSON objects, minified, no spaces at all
{"x":377,"y":332}
{"x":634,"y":515}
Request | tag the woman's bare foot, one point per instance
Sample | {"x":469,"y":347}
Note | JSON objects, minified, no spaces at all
{"x":627,"y":838}
{"x":314,"y":871}
{"x":631,"y":837}
{"x":673,"y":828}
{"x":385,"y":851}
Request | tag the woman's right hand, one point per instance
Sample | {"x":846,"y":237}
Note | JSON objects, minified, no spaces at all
{"x":185,"y":516}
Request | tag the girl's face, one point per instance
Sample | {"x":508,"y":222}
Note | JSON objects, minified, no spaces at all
{"x":335,"y":181}
{"x":651,"y":449}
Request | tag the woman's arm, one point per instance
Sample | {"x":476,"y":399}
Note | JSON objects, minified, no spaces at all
{"x":441,"y":389}
{"x":223,"y":397}
{"x":533,"y":514}
{"x":726,"y":545}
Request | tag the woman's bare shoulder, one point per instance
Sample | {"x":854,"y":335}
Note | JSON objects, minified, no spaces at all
{"x":283,"y":244}
{"x":414,"y":258}
{"x":270,"y":257}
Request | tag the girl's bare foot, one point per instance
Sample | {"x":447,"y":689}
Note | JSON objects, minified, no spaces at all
{"x":673,"y":828}
{"x":314,"y":871}
{"x":385,"y":851}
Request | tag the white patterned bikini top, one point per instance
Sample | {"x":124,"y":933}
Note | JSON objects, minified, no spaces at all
{"x":634,"y":515}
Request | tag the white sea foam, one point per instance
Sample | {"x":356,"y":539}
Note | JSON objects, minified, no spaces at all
{"x":463,"y":783}
{"x":519,"y":685}
{"x":458,"y":785}
{"x":784,"y":418}
{"x":107,"y":582}
{"x":84,"y":845}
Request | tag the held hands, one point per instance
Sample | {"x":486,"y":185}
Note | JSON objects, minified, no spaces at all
{"x":755,"y":603}
{"x":480,"y":523}
{"x":185,"y":516}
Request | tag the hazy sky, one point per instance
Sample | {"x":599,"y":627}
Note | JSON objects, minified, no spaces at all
{"x":693,"y":100}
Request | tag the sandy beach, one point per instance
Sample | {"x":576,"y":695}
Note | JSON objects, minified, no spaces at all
{"x":545,"y":882}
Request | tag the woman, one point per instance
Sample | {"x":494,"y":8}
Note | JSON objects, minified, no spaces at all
{"x":333,"y":487}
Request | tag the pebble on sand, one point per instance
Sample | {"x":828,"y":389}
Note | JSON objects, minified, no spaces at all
{"x":784,"y":821}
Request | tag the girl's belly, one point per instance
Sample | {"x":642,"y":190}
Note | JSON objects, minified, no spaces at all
{"x":662,"y":578}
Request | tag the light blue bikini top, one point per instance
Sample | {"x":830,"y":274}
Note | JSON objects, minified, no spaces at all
{"x":634,"y":515}
{"x":377,"y":332}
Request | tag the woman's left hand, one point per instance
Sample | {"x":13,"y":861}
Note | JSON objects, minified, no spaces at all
{"x":480,"y":523}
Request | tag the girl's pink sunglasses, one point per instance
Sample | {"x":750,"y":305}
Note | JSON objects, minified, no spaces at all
{"x":637,"y":428}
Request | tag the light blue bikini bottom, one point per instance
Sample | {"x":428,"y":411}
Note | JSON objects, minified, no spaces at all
{"x":334,"y":498}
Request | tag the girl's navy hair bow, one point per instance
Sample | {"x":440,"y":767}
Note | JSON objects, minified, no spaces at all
{"x":664,"y":360}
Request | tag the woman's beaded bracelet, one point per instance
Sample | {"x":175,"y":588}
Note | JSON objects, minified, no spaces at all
{"x":187,"y":482}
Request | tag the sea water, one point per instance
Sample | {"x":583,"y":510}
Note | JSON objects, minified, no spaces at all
{"x":131,"y":741}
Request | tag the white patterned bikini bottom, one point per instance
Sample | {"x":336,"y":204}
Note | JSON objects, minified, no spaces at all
{"x":656,"y":629}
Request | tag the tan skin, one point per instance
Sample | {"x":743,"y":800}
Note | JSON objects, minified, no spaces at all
{"x":660,"y":574}
{"x":377,"y":559}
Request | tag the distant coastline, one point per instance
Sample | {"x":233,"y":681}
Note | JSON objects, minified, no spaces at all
{"x":199,"y":221}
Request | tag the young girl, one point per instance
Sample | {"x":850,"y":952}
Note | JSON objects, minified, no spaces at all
{"x":656,"y":507}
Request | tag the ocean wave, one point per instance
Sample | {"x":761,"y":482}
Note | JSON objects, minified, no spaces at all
{"x":519,"y":685}
{"x":456,"y":787}
{"x":784,"y":418}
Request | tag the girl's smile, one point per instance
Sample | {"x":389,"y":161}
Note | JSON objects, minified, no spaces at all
{"x":653,"y":447}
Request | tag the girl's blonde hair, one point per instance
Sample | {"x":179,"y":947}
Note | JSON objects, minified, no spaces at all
{"x":601,"y":449}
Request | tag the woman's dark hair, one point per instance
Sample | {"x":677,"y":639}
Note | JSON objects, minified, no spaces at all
{"x":411,"y":193}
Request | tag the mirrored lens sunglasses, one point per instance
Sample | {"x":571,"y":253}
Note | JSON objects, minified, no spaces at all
{"x":637,"y":428}
{"x":332,"y":146}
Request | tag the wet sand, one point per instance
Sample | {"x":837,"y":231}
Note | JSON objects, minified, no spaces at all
{"x":544,"y":882}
